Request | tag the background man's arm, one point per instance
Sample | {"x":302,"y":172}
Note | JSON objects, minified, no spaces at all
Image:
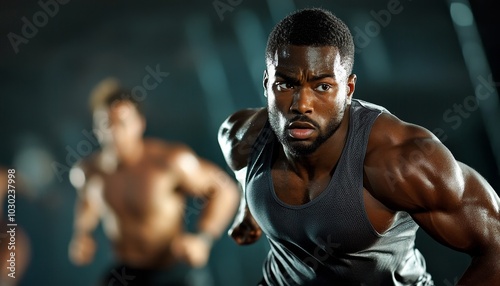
{"x":217,"y":200}
{"x":86,"y":217}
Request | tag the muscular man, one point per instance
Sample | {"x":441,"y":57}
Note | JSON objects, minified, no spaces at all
{"x":339,"y":186}
{"x":138,"y":187}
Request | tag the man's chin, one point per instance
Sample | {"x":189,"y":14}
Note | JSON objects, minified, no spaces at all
{"x":301,"y":148}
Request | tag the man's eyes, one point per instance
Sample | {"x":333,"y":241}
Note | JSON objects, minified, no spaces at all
{"x":323,"y":87}
{"x":285,"y":86}
{"x":282,"y":86}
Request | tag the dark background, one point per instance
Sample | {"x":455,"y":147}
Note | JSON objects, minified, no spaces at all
{"x":413,"y":64}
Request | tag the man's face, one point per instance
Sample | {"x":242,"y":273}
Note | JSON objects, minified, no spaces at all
{"x":307,"y":93}
{"x":118,"y":125}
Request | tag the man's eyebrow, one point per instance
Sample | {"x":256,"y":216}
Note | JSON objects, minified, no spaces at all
{"x":287,"y":78}
{"x":292,"y":79}
{"x":321,"y":76}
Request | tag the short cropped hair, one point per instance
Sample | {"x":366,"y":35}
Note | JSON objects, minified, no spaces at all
{"x":313,"y":27}
{"x":109,"y":92}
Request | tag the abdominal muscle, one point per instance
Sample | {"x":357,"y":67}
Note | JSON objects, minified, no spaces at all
{"x":145,"y":241}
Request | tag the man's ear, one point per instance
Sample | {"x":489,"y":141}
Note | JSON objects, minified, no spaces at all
{"x":265,"y":79}
{"x":351,"y":85}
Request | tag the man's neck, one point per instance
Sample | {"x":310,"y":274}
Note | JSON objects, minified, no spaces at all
{"x":132,"y":154}
{"x":127,"y":155}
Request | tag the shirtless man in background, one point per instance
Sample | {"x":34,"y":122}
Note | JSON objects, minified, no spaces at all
{"x":139,"y":187}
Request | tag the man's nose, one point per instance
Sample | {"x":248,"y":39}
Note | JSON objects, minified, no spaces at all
{"x":302,"y":101}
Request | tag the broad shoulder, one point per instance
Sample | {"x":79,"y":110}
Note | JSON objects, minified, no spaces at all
{"x":388,"y":132}
{"x":238,"y":133}
{"x":90,"y":164}
{"x":407,"y":167}
{"x":168,"y":152}
{"x":84,"y":169}
{"x":158,"y":147}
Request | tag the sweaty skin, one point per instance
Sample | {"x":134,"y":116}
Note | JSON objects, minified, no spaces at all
{"x":138,"y":187}
{"x":406,"y":167}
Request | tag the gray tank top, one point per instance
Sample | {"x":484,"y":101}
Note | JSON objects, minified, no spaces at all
{"x":329,"y":240}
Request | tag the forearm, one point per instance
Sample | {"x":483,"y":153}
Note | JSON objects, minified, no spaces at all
{"x":86,"y":219}
{"x":242,"y":210}
{"x":483,"y":270}
{"x":219,"y":210}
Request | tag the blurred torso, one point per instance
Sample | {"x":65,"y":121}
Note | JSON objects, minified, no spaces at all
{"x":142,"y":208}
